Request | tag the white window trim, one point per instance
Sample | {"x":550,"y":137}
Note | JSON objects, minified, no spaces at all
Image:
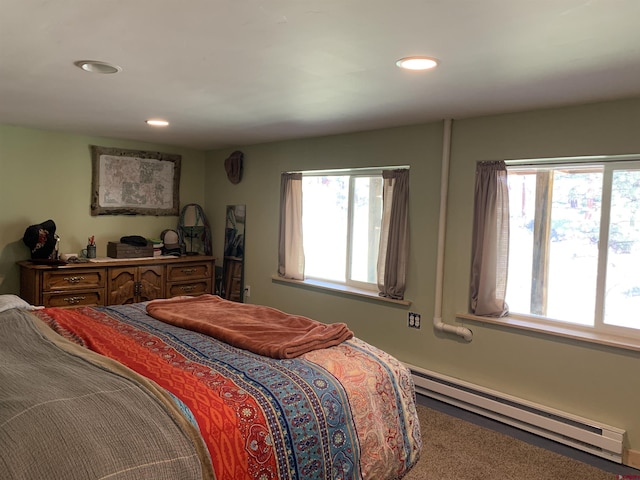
{"x":558,"y":330}
{"x":349,"y":171}
{"x":322,"y":285}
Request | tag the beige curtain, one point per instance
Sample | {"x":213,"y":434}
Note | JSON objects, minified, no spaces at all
{"x":290,"y":247}
{"x":490,"y":254}
{"x":394,"y":235}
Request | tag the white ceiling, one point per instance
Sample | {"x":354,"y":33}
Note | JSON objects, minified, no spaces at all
{"x":237,"y":72}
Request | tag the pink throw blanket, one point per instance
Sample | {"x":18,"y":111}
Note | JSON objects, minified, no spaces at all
{"x":259,"y":329}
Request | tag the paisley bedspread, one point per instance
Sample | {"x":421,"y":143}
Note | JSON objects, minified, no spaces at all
{"x":346,"y":412}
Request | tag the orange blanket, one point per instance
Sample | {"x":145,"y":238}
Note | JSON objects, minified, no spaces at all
{"x":259,"y":329}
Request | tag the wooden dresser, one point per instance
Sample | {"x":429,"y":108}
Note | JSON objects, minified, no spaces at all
{"x":115,"y":282}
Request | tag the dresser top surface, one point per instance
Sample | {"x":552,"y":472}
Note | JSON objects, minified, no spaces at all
{"x":114,"y":262}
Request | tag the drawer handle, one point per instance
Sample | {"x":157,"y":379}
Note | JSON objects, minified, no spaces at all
{"x":74,"y":279}
{"x":74,"y":300}
{"x":188,"y":288}
{"x":188,"y":271}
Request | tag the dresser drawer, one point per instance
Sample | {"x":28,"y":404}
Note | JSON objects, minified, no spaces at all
{"x":186,"y":272}
{"x":197,"y":287}
{"x":73,"y":280}
{"x":78,"y":298}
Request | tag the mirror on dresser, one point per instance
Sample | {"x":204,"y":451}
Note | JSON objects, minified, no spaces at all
{"x":233,"y":262}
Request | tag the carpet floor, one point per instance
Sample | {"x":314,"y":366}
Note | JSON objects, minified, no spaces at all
{"x":460,"y":450}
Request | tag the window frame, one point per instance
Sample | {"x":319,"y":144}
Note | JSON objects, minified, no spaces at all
{"x":552,"y":325}
{"x":352,"y":173}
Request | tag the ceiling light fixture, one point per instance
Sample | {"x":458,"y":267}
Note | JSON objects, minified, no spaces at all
{"x":97,"y":67}
{"x":417,"y":63}
{"x":157,"y":123}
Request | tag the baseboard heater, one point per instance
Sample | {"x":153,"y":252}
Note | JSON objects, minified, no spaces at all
{"x":581,"y":433}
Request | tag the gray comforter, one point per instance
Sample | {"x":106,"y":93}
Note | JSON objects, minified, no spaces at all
{"x":68,"y":413}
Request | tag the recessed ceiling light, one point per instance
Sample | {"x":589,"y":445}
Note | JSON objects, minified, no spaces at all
{"x":417,"y":63}
{"x":157,"y":123}
{"x":97,"y":67}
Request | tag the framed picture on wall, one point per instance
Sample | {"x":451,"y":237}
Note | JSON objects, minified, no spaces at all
{"x":134,"y":182}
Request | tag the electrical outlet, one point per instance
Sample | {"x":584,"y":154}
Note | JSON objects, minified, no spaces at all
{"x":413,"y":320}
{"x":247,"y":291}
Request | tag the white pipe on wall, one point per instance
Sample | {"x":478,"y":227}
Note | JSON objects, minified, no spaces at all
{"x":442,"y":225}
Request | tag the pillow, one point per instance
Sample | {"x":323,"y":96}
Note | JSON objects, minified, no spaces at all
{"x":7,"y":302}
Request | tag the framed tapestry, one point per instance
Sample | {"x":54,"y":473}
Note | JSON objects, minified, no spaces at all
{"x":134,"y":182}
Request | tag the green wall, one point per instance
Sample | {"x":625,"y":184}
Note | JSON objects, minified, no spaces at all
{"x":48,"y":175}
{"x":417,"y":146}
{"x":588,"y":380}
{"x":584,"y":379}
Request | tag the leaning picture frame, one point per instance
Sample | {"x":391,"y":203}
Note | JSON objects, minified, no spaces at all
{"x":134,"y":182}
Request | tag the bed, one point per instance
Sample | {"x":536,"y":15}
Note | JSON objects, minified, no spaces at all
{"x":346,"y":410}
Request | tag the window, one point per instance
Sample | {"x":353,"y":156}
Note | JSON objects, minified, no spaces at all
{"x":574,"y":248}
{"x":341,"y":222}
{"x":349,"y":227}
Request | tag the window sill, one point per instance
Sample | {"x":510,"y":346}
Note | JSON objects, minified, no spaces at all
{"x":558,"y":331}
{"x":335,"y":287}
